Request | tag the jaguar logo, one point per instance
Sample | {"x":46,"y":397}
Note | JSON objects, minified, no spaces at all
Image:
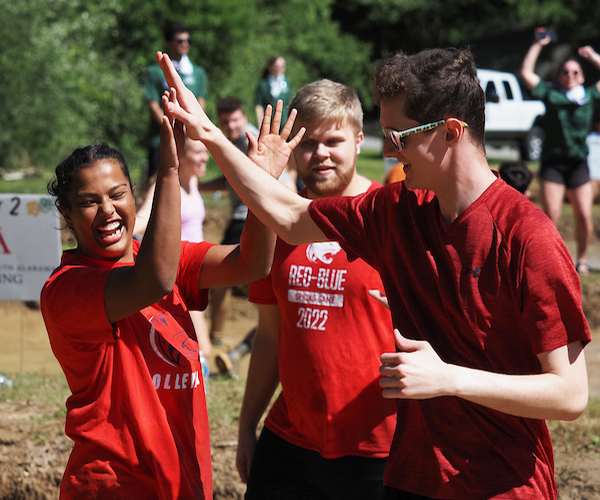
{"x":323,"y":252}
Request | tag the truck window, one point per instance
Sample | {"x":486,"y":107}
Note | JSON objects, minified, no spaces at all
{"x":490,"y":93}
{"x":508,"y":90}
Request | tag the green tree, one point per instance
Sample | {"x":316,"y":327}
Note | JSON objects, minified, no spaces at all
{"x":61,"y":86}
{"x":72,"y":71}
{"x":410,"y":25}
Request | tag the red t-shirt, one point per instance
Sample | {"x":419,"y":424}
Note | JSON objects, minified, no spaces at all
{"x":137,"y":413}
{"x":331,"y":335}
{"x":490,"y":291}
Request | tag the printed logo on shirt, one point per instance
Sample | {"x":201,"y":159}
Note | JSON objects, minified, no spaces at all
{"x":176,"y":381}
{"x":473,"y":272}
{"x":323,"y":252}
{"x":173,"y":357}
{"x":163,"y":349}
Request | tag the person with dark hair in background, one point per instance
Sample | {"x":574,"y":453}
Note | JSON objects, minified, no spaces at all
{"x":485,"y":299}
{"x":570,"y":109}
{"x":177,"y":43}
{"x":272,"y":86}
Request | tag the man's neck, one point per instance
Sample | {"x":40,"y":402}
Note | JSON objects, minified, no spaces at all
{"x":463,"y":188}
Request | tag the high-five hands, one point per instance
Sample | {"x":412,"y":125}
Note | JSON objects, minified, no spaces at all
{"x":271,"y":151}
{"x":186,"y":107}
{"x":171,"y":134}
{"x":416,"y":372}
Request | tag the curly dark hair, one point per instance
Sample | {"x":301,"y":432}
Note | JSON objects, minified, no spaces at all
{"x":60,"y":186}
{"x":438,"y":83}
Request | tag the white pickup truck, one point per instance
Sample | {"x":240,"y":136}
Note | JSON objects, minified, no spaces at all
{"x":509,"y":117}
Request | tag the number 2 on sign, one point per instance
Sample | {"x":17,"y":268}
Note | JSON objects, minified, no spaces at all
{"x":312,"y":319}
{"x":16,"y":201}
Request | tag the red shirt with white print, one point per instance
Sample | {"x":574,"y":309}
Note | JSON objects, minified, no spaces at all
{"x":331,"y":336}
{"x":137,"y":413}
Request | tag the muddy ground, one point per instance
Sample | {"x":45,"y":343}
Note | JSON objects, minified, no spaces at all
{"x":34,"y":450}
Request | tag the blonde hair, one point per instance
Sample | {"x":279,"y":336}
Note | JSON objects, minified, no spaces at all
{"x":325,"y":100}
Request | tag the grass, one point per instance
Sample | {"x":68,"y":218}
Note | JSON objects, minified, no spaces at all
{"x":370,"y":164}
{"x":29,"y":185}
{"x":582,"y":434}
{"x":49,"y":393}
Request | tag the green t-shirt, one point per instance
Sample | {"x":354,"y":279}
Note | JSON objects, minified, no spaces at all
{"x":263,"y":96}
{"x":155,"y":85}
{"x":566,"y":124}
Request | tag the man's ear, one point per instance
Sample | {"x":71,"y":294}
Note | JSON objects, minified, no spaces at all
{"x":454,"y":130}
{"x":359,"y":140}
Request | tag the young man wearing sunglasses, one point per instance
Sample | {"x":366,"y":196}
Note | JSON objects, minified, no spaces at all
{"x":484,"y":295}
{"x":177,"y":43}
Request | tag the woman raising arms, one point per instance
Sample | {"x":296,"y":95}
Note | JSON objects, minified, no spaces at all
{"x":117,"y":316}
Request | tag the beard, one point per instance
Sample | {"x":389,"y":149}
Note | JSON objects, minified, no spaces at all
{"x":332,"y":185}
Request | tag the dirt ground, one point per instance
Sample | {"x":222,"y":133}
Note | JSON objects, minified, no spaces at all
{"x":34,"y":451}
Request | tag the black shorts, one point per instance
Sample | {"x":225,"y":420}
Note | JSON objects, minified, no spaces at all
{"x":569,"y":172}
{"x":233,"y":232}
{"x":282,"y":471}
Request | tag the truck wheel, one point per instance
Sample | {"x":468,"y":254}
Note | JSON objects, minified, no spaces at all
{"x":531,"y":147}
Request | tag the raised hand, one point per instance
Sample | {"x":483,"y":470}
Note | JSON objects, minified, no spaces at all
{"x":546,"y":39}
{"x":171,"y":135}
{"x":416,"y":372}
{"x":186,"y":108}
{"x":587,"y":52}
{"x":271,"y":151}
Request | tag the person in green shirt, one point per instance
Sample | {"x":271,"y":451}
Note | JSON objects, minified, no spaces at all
{"x":272,"y":87}
{"x":177,"y":43}
{"x":570,"y":109}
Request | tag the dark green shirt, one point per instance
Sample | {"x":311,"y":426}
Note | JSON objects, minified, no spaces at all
{"x":155,"y":85}
{"x":566,"y":124}
{"x":263,"y":96}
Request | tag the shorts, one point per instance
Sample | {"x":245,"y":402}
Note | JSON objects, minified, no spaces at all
{"x":569,"y":172}
{"x":282,"y":471}
{"x":233,"y":232}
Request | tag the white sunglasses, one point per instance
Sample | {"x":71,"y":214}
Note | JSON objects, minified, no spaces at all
{"x":396,"y":136}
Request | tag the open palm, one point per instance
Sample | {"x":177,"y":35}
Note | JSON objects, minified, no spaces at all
{"x":271,"y":150}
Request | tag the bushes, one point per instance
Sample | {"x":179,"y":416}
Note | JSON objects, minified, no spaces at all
{"x":71,"y":71}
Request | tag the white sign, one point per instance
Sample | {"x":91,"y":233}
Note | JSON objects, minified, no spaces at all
{"x":30,"y":246}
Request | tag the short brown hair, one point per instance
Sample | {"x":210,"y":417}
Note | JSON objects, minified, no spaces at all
{"x":229,"y":104}
{"x":325,"y":100}
{"x":438,"y":83}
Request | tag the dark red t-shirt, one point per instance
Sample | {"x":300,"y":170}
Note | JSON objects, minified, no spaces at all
{"x":490,"y":291}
